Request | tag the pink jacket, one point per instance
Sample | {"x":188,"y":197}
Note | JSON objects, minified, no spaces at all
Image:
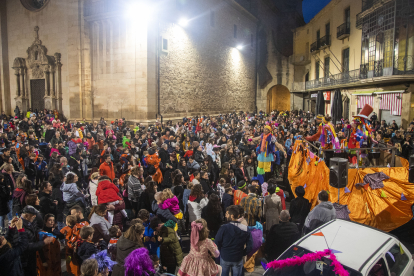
{"x":171,"y":204}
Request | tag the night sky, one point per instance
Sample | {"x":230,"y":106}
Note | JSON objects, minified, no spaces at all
{"x":312,"y":7}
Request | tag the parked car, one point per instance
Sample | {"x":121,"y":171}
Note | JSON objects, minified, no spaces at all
{"x":364,"y":251}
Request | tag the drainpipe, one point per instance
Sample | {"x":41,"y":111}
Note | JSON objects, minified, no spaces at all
{"x":256,"y":66}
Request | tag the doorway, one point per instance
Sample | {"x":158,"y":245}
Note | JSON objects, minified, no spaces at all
{"x":278,"y":98}
{"x":37,"y":91}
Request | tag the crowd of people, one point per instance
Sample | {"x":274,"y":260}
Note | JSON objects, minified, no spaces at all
{"x":120,"y":198}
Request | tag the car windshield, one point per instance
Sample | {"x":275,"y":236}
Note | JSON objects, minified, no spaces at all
{"x":314,"y":268}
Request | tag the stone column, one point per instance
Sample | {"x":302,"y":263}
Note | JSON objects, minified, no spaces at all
{"x":53,"y":81}
{"x":17,"y":73}
{"x":23,"y":85}
{"x":47,"y":71}
{"x":58,"y":90}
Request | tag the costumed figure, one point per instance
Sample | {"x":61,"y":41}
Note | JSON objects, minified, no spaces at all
{"x":326,"y":135}
{"x":153,"y":161}
{"x":360,"y":134}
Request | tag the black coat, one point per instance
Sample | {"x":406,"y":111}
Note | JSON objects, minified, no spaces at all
{"x":164,"y":155}
{"x":4,"y":198}
{"x":299,"y":210}
{"x":226,"y":201}
{"x":167,"y":181}
{"x":214,"y":220}
{"x":205,"y":183}
{"x":86,"y":250}
{"x":29,"y":167}
{"x":279,"y":238}
{"x":29,"y":255}
{"x":49,"y":134}
{"x":46,"y":204}
{"x":58,"y":195}
{"x":199,"y":156}
{"x":184,"y":171}
{"x":10,"y":261}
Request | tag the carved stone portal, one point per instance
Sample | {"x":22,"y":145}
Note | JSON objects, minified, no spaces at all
{"x":38,"y":65}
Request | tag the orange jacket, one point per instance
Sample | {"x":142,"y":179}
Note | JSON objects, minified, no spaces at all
{"x":107,"y":169}
{"x":238,"y":196}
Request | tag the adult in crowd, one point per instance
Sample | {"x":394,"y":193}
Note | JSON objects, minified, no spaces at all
{"x":272,"y":206}
{"x":10,"y":256}
{"x":93,"y":186}
{"x":99,"y":223}
{"x":134,"y":188}
{"x":47,"y":204}
{"x":234,"y":241}
{"x":147,"y":196}
{"x":281,"y":236}
{"x":107,"y":167}
{"x":196,"y":202}
{"x":252,"y":206}
{"x":322,"y":213}
{"x":213,"y":214}
{"x":128,"y":242}
{"x":299,"y":208}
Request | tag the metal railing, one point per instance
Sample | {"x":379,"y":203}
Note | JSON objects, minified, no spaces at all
{"x":314,"y":47}
{"x":341,"y":78}
{"x":359,"y":21}
{"x":404,"y":65}
{"x":369,"y":153}
{"x":325,"y":41}
{"x":343,"y":30}
{"x":363,"y":71}
{"x":367,"y":4}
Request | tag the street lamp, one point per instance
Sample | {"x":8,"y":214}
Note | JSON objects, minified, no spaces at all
{"x":239,"y":47}
{"x":139,"y":12}
{"x":183,"y":22}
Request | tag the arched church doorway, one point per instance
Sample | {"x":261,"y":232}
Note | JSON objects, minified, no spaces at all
{"x":278,"y":98}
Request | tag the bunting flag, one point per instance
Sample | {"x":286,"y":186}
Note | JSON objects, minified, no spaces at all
{"x":383,"y":194}
{"x":335,"y":251}
{"x":401,"y":250}
{"x":304,"y":186}
{"x":316,"y":163}
{"x":366,"y":187}
{"x":403,"y":197}
{"x":320,"y":234}
{"x":347,"y":191}
{"x":311,"y":154}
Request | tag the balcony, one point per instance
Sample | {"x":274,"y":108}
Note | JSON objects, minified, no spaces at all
{"x":343,"y":31}
{"x":359,"y":21}
{"x":338,"y":79}
{"x":300,"y":59}
{"x":314,"y":47}
{"x":324,"y":42}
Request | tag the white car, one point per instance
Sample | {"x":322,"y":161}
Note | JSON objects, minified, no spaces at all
{"x":364,"y":251}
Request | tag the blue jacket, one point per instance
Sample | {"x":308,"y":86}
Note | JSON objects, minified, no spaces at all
{"x":231,"y":239}
{"x":70,"y":192}
{"x":288,"y":143}
{"x":226,"y":201}
{"x":41,"y":166}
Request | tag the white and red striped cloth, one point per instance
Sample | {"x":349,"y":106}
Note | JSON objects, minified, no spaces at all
{"x":391,"y":102}
{"x":363,"y":100}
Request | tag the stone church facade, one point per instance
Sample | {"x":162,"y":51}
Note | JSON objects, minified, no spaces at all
{"x":112,"y":59}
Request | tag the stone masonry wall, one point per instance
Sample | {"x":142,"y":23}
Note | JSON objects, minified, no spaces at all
{"x":203,"y":72}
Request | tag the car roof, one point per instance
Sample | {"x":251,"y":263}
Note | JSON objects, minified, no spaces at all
{"x":357,"y":242}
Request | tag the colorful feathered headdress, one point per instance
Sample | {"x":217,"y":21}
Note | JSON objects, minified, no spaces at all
{"x":104,"y":261}
{"x":138,"y":263}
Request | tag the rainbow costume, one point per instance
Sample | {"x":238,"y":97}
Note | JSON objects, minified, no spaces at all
{"x":326,"y":135}
{"x":265,"y":152}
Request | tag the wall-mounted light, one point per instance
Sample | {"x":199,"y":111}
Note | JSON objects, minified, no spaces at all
{"x":183,"y":22}
{"x":239,"y":47}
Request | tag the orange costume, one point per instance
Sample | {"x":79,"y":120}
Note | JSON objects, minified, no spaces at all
{"x":155,"y":160}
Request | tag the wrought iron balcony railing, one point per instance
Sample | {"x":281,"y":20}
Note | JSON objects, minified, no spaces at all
{"x":343,"y":31}
{"x":325,"y":41}
{"x":314,"y":47}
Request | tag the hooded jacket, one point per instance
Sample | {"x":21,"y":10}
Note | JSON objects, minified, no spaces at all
{"x":320,"y":215}
{"x":170,"y":249}
{"x":107,"y":169}
{"x":123,"y":248}
{"x":70,"y":192}
{"x":107,"y":192}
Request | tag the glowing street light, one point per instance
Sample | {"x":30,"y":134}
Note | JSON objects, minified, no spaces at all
{"x":139,"y":12}
{"x":183,"y":22}
{"x":239,"y":47}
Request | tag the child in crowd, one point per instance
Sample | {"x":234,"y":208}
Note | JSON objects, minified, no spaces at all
{"x":114,"y":233}
{"x":220,"y":187}
{"x":105,"y":264}
{"x":170,"y":202}
{"x":150,"y":242}
{"x":227,"y":198}
{"x":156,"y":262}
{"x":85,"y":247}
{"x":107,"y":193}
{"x":70,"y":239}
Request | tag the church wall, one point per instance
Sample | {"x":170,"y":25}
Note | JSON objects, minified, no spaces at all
{"x":56,"y":34}
{"x":203,"y":72}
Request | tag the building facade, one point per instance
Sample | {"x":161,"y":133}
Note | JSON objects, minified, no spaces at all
{"x":113,"y":59}
{"x":367,"y":53}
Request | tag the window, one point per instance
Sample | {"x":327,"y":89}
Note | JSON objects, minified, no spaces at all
{"x":165,"y":44}
{"x":235,"y":31}
{"x":212,"y":19}
{"x":318,"y":37}
{"x":345,"y":60}
{"x":317,"y":70}
{"x":397,"y":260}
{"x":328,"y":28}
{"x":379,"y":268}
{"x":327,"y":67}
{"x":348,"y":18}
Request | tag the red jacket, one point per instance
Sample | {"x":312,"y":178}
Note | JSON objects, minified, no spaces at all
{"x":107,"y":192}
{"x":108,"y":170}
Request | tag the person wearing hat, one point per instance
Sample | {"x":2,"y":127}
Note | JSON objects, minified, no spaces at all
{"x":240,"y":193}
{"x":265,"y":150}
{"x":28,"y":257}
{"x":360,"y":133}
